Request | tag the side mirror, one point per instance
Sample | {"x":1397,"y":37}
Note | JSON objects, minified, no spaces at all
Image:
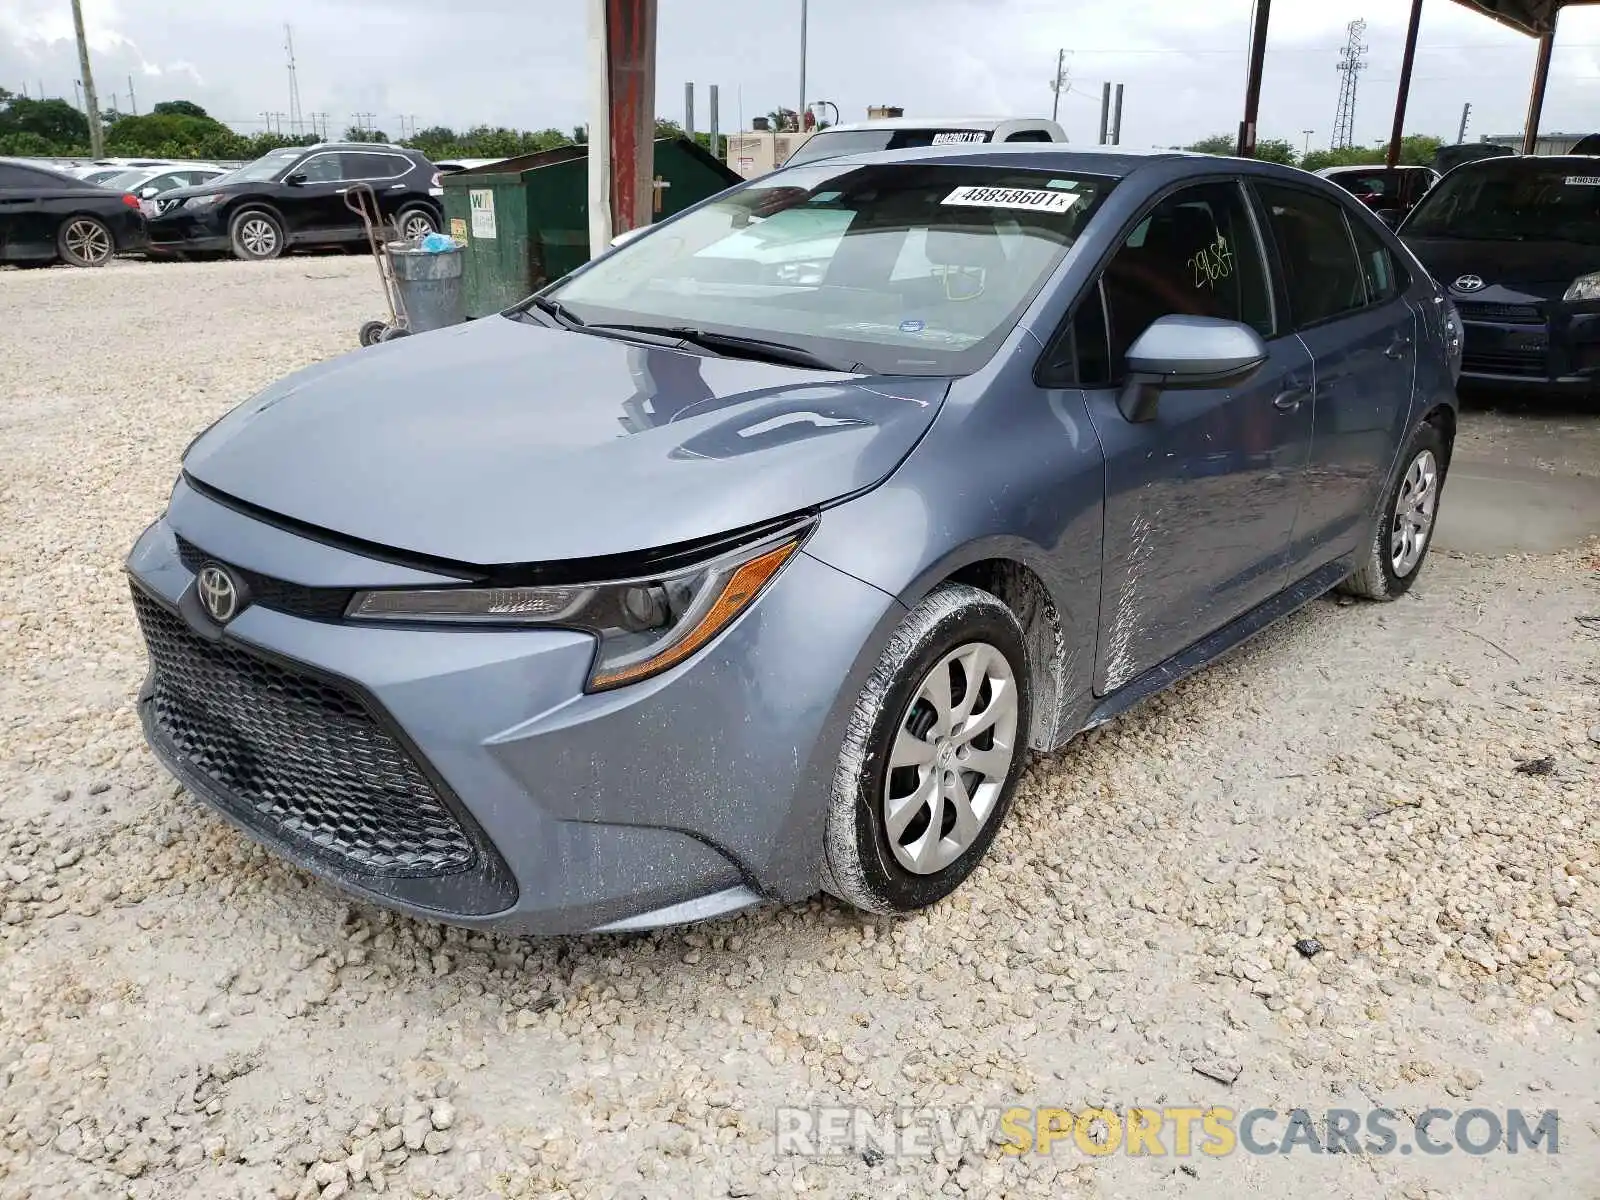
{"x":627,"y":235}
{"x":296,"y":179}
{"x":1187,"y":352}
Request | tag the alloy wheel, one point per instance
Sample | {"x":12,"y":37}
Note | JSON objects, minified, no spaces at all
{"x":952,"y":755}
{"x":89,"y":241}
{"x":416,"y":226}
{"x":1414,"y":513}
{"x":259,"y":237}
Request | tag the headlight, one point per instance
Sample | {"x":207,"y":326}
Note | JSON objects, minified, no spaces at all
{"x":211,"y":201}
{"x":644,"y":626}
{"x":1585,"y":287}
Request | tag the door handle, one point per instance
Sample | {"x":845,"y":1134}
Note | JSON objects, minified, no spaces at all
{"x":1292,"y":399}
{"x":1397,"y":348}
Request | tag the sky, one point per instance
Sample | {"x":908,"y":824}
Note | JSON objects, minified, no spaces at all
{"x":522,"y":63}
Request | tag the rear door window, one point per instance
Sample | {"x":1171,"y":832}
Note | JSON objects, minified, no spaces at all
{"x":373,"y":166}
{"x":1320,"y":270}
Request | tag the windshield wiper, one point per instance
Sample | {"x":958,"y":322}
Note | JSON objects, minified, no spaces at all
{"x":734,"y":345}
{"x":558,"y":310}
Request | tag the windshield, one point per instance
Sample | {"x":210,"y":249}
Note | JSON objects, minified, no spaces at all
{"x":1516,"y":200}
{"x":268,"y":166}
{"x":831,"y":143}
{"x":910,"y":269}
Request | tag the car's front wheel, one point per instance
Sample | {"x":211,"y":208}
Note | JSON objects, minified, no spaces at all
{"x":85,"y":242}
{"x":932,"y":755}
{"x":256,"y":236}
{"x":1393,"y":556}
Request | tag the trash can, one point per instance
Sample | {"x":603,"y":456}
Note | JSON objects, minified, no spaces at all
{"x":525,"y":220}
{"x":429,"y":283}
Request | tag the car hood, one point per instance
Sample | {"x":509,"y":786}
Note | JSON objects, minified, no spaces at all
{"x":1512,"y":264}
{"x":500,"y":442}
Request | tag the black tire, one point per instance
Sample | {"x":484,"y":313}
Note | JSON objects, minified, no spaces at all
{"x":256,"y":235}
{"x":860,"y":864}
{"x":413,"y":216}
{"x":85,"y":241}
{"x":1379,"y":577}
{"x":371,"y":333}
{"x":392,"y":332}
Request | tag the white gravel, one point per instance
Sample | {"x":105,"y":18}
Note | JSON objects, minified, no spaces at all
{"x":181,"y":1014}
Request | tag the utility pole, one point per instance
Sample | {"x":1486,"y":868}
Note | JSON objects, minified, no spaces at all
{"x":1105,"y":112}
{"x":296,"y":120}
{"x":1058,"y":84}
{"x":1352,"y":61}
{"x":133,"y":101}
{"x":716,"y":132}
{"x":688,"y":110}
{"x":1246,"y":147}
{"x":1116,"y":118}
{"x":1308,"y":133}
{"x":1461,"y":134}
{"x":97,"y":135}
{"x":799,"y":113}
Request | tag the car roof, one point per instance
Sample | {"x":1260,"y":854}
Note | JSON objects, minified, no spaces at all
{"x":932,"y":123}
{"x":1502,"y":162}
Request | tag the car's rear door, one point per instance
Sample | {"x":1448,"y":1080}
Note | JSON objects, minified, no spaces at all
{"x":1345,"y":293}
{"x":1201,"y":500}
{"x":28,"y":211}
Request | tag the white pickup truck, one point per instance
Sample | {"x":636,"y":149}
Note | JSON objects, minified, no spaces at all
{"x":902,"y":133}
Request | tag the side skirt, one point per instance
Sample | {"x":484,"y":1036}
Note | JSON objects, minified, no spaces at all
{"x":1213,"y":647}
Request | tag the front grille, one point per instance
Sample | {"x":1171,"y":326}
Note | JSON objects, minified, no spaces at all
{"x":1526,"y":364}
{"x":1510,"y":314}
{"x":296,"y":756}
{"x":320,"y":604}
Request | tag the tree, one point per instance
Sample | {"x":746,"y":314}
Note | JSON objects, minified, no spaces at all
{"x":1220,"y":143}
{"x":179,"y":108}
{"x":55,"y":121}
{"x":1349,"y":156}
{"x":91,"y":103}
{"x":357,"y":134}
{"x":784,"y":119}
{"x":1276,"y":150}
{"x":580,"y":135}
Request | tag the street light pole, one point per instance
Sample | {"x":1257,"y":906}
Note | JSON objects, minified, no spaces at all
{"x":1308,"y":133}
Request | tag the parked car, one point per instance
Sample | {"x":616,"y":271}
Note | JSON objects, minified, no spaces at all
{"x":904,"y":133}
{"x":295,"y":197}
{"x":1517,"y":242}
{"x":103,"y":169}
{"x":1448,"y":158}
{"x":699,"y":580}
{"x":150,"y":183}
{"x":1391,"y":192}
{"x":47,"y":216}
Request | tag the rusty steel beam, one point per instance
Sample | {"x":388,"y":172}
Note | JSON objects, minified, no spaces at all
{"x":1541,"y":79}
{"x":1252,"y":90}
{"x":1404,"y":95}
{"x":622,"y":37}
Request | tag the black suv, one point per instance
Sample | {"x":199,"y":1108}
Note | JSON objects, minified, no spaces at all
{"x":297,"y":197}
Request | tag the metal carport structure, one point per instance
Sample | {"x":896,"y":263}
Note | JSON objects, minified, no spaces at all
{"x":1536,"y":18}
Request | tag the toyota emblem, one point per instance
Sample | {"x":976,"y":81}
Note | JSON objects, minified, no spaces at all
{"x":1469,"y":283}
{"x":219,"y":595}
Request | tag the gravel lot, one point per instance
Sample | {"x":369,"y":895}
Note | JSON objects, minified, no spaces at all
{"x":183,"y":1015}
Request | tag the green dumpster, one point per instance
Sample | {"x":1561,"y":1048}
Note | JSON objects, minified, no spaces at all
{"x":526,"y":220}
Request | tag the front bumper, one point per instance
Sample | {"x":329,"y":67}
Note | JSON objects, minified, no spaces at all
{"x":179,"y":231}
{"x":1526,"y":342}
{"x":696,"y":793}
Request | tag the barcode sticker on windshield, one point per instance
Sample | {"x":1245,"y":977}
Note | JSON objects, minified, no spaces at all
{"x":1583,"y":180}
{"x":1036,"y":199}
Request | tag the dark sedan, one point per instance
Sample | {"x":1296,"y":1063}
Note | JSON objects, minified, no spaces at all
{"x":296,"y":197}
{"x":1517,"y":242}
{"x":48,"y":217}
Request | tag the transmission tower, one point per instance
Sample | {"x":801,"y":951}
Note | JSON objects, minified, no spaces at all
{"x":296,"y":118}
{"x":1352,"y":61}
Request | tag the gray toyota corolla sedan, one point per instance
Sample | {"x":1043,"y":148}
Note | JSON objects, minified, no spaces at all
{"x":754,"y":557}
